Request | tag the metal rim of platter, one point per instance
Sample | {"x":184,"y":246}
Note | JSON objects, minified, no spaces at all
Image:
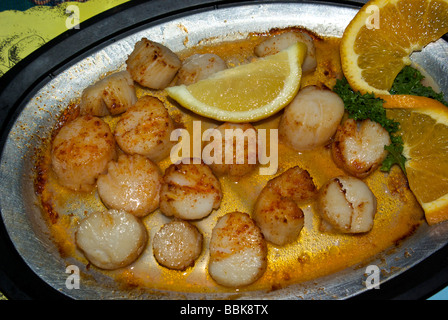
{"x":23,"y":273}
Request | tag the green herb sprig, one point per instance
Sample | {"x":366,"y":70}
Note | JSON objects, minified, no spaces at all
{"x":367,"y":106}
{"x":409,"y":81}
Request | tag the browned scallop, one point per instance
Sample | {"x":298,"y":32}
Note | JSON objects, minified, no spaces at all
{"x":276,"y":43}
{"x":152,"y":64}
{"x":238,"y":251}
{"x":347,"y":205}
{"x":81,"y":151}
{"x":277,"y":210}
{"x":132,"y":183}
{"x":111,"y":239}
{"x":145,"y":129}
{"x":358,"y":147}
{"x":198,"y":67}
{"x":234,"y":148}
{"x":110,"y":96}
{"x":177,"y":245}
{"x":189,"y":191}
{"x":295,"y":183}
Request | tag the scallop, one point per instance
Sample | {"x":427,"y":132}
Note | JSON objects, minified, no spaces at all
{"x":132,"y":183}
{"x":81,"y":151}
{"x":347,"y":205}
{"x":198,"y":67}
{"x":111,"y":239}
{"x":234,"y":149}
{"x":110,"y":96}
{"x":277,"y":210}
{"x":311,"y":119}
{"x":279,"y":42}
{"x":189,"y":191}
{"x":238,"y":251}
{"x":177,"y":245}
{"x":145,"y":129}
{"x":152,"y":64}
{"x":358,"y":147}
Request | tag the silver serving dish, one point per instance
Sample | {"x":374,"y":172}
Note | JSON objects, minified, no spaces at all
{"x":22,"y":218}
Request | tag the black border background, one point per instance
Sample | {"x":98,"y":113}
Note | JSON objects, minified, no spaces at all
{"x":18,"y":85}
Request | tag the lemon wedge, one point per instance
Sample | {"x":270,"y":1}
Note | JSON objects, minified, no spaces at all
{"x":248,"y":92}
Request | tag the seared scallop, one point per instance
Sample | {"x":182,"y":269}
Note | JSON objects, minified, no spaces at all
{"x":189,"y":191}
{"x":279,"y":42}
{"x":111,"y":239}
{"x":358,"y":147}
{"x":145,"y":129}
{"x":295,"y":183}
{"x":238,"y":251}
{"x":311,"y":119}
{"x":347,"y":205}
{"x":132,"y":183}
{"x":198,"y":67}
{"x":234,"y":149}
{"x":81,"y":151}
{"x":152,"y":64}
{"x":277,"y":210}
{"x":177,"y":245}
{"x":110,"y":96}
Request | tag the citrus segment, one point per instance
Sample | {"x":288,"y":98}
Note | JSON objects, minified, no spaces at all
{"x":249,"y":92}
{"x":424,"y":129}
{"x":378,"y":41}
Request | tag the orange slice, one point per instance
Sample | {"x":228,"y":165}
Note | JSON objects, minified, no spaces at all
{"x":424,"y":129}
{"x":378,"y":41}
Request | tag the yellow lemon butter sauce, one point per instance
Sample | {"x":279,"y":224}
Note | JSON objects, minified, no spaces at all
{"x":314,"y":254}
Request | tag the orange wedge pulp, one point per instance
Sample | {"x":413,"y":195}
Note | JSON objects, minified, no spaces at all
{"x":424,"y":129}
{"x":377,"y":43}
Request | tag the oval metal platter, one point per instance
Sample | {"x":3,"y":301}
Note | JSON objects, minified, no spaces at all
{"x":36,"y":117}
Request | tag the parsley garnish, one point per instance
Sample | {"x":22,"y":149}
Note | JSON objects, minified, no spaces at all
{"x":395,"y":154}
{"x":364,"y":106}
{"x":409,"y":81}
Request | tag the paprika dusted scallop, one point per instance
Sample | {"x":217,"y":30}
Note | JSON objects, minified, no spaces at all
{"x":152,"y":65}
{"x":110,"y":96}
{"x":81,"y":151}
{"x":198,"y":67}
{"x":277,"y":210}
{"x":189,"y":191}
{"x":238,"y":251}
{"x":358,"y":147}
{"x":145,"y":129}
